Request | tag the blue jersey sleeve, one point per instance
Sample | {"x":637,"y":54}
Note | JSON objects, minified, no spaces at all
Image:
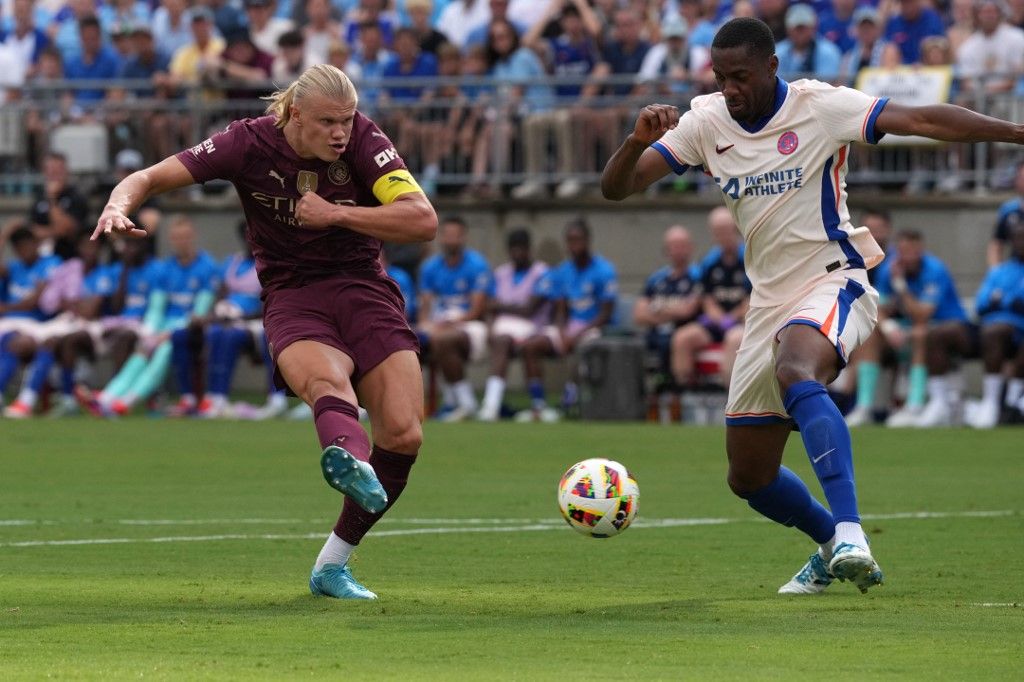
{"x":428,"y":274}
{"x":609,"y":283}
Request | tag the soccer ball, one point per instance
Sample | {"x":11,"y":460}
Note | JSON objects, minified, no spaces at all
{"x":598,"y":497}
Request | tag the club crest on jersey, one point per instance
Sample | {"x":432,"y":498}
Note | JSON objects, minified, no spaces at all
{"x":307,"y":181}
{"x":338,"y":173}
{"x":788,"y":142}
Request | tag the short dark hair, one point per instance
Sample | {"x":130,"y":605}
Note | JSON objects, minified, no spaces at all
{"x":21,"y":234}
{"x":580,"y":224}
{"x":519,"y":237}
{"x":57,"y":156}
{"x":293,"y":38}
{"x":747,"y":32}
{"x":878,"y":213}
{"x":89,"y":21}
{"x":455,"y":219}
{"x":910,"y":236}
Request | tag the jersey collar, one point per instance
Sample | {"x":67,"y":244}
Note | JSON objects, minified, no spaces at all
{"x":781,"y":90}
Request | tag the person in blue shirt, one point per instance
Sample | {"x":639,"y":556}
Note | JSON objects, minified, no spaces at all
{"x":146,"y":60}
{"x":408,"y":288}
{"x":95,"y":62}
{"x":24,"y":278}
{"x":919,"y":305}
{"x":184,"y":289}
{"x":671,"y":299}
{"x":1000,"y":308}
{"x":725,"y":298}
{"x":1011,"y":214}
{"x":837,"y":22}
{"x":803,"y":54}
{"x":20,"y":30}
{"x":454,"y":286}
{"x":584,"y":288}
{"x":372,"y":58}
{"x":914,"y":23}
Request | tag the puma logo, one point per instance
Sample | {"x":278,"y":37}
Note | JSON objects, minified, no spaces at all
{"x":277,"y":176}
{"x":392,"y":179}
{"x":722,"y":150}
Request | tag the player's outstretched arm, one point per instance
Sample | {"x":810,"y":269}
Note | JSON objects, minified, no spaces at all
{"x":409,"y":218}
{"x":634,"y":166}
{"x":131,"y":192}
{"x":947,"y":122}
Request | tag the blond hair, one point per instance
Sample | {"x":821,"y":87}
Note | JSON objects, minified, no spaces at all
{"x":319,"y":79}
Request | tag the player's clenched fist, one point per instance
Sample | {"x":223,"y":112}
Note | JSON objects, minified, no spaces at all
{"x":313,"y":212}
{"x":654,"y":121}
{"x":113,"y":221}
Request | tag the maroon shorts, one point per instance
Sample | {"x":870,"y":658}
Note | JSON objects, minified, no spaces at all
{"x":363,"y":318}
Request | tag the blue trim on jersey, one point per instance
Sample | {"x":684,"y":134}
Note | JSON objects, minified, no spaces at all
{"x":781,"y":90}
{"x":679,"y":168}
{"x":870,"y":134}
{"x":847,"y":295}
{"x":830,"y":218}
{"x":756,"y":421}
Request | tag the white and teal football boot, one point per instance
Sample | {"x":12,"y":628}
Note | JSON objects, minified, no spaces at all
{"x":813,"y":578}
{"x":353,"y":478}
{"x":335,"y":580}
{"x":853,"y":563}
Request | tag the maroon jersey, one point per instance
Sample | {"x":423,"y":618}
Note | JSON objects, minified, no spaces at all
{"x":270,"y":178}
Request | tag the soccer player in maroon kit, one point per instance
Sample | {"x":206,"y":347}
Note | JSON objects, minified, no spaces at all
{"x":321,"y":187}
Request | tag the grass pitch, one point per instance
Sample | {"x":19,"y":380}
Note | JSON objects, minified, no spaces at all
{"x":177,"y":550}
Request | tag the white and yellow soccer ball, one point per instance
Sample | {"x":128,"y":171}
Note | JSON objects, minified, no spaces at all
{"x":598,"y":497}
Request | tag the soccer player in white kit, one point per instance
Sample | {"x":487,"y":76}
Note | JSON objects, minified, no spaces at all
{"x":779,"y":152}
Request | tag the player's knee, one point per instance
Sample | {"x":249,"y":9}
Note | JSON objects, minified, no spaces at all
{"x":789,"y":372}
{"x":745,"y":483}
{"x":401,"y":435}
{"x":314,"y":388}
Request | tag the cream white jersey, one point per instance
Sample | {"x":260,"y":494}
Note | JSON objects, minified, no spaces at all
{"x":784,"y":180}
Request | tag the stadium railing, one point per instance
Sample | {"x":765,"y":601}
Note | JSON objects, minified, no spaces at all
{"x":462,"y":115}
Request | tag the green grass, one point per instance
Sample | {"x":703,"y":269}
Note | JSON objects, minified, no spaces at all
{"x":686,"y":602}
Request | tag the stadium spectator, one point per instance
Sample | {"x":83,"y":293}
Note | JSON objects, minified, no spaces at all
{"x":869,"y":49}
{"x":372,"y":59}
{"x":519,"y":70}
{"x":675,"y":65}
{"x":420,"y":12}
{"x":59,"y":211}
{"x":571,"y":54}
{"x":472,"y":120}
{"x":371,"y":12}
{"x":26,"y":274}
{"x":918,"y":296}
{"x":25,"y":41}
{"x":172,"y":26}
{"x":49,"y":106}
{"x":913,"y":23}
{"x":518,"y":311}
{"x":584,"y":288}
{"x":804,"y":54}
{"x":64,"y":28}
{"x":499,"y":10}
{"x":725,"y":297}
{"x":124,"y":13}
{"x":228,"y":16}
{"x":339,"y":55}
{"x":961,"y":26}
{"x":935,"y":51}
{"x":1000,"y":308}
{"x":184,"y":289}
{"x":671,"y":299}
{"x":201,"y":56}
{"x":320,"y":30}
{"x":992,"y":58}
{"x":265,"y":29}
{"x":70,"y":300}
{"x":773,"y":13}
{"x":459,"y":17}
{"x":94,"y":62}
{"x":1011,"y":214}
{"x":454,"y":286}
{"x":290,"y":59}
{"x":699,"y":24}
{"x":146,"y":62}
{"x":837,"y":24}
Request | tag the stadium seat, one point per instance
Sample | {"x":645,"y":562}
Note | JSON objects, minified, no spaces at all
{"x":84,"y":145}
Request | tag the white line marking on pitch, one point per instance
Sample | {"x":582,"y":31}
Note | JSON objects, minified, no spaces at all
{"x":526,"y":526}
{"x":1011,"y":604}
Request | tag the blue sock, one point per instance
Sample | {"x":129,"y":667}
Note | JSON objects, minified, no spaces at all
{"x":214,"y":344}
{"x":536,"y":389}
{"x":231,"y":342}
{"x":181,"y":357}
{"x":39,"y":370}
{"x":67,"y":380}
{"x":827,"y":441}
{"x":8,"y":363}
{"x":787,"y":500}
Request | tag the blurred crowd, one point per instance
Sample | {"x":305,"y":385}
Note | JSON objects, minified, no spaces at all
{"x":548,"y":83}
{"x":69,"y":305}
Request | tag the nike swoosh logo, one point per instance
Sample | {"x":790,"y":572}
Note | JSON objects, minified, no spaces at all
{"x":722,"y":150}
{"x":815,"y":460}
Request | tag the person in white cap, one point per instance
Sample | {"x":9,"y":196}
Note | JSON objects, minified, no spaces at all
{"x":804,"y":53}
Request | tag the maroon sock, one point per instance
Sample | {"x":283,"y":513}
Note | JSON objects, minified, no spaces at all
{"x":337,"y":423}
{"x":393,"y":472}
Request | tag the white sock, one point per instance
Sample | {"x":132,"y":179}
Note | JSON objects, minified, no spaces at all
{"x":825,"y":549}
{"x":335,"y":551}
{"x":938,"y":388}
{"x":464,"y":395}
{"x":188,"y":399}
{"x":447,"y":395}
{"x":277,"y":399}
{"x":850,"y":532}
{"x":494,"y":392}
{"x":218,"y":400}
{"x":991,"y":387}
{"x":1014,"y":391}
{"x":27,"y":397}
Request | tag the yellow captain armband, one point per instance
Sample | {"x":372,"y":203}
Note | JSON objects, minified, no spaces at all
{"x":392,"y":185}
